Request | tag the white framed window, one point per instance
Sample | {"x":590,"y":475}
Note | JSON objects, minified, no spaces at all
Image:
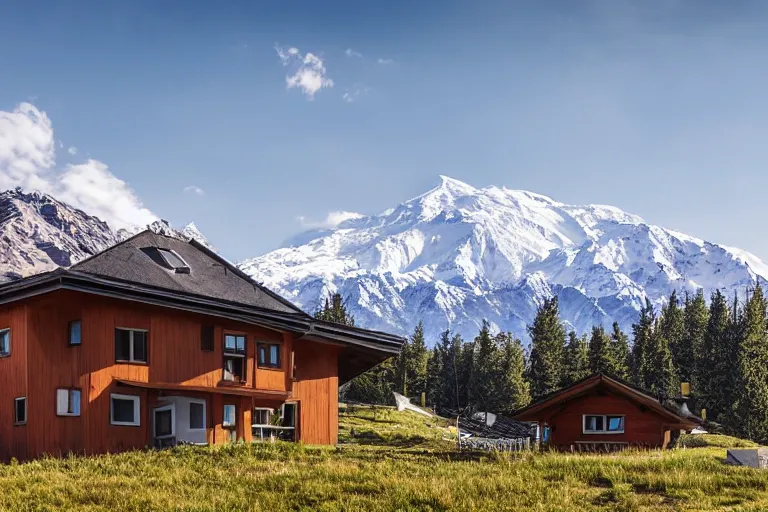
{"x":164,"y":421}
{"x":5,"y":342}
{"x":75,"y":333}
{"x":20,"y":411}
{"x":603,"y":424}
{"x":197,"y":415}
{"x":230,"y":416}
{"x":125,"y":410}
{"x":68,"y":402}
{"x":131,"y":345}
{"x":262,"y":416}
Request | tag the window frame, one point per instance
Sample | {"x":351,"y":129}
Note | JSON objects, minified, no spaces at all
{"x":198,"y":401}
{"x":7,"y":353}
{"x":226,"y":425}
{"x":69,"y":333}
{"x":605,"y":430}
{"x":269,"y":411}
{"x":203,"y":332}
{"x":16,"y":421}
{"x":131,"y":359}
{"x":183,"y":269}
{"x":69,"y":403}
{"x":167,"y":407}
{"x":267,"y":345}
{"x":235,"y":353}
{"x":136,"y":399}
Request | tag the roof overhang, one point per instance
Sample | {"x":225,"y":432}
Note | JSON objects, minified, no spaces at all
{"x":219,"y":390}
{"x":550,"y":404}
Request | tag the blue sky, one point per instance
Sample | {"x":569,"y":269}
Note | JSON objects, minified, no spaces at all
{"x":657,"y":107}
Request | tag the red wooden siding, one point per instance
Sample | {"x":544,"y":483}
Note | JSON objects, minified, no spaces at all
{"x":641,"y":426}
{"x":42,"y":357}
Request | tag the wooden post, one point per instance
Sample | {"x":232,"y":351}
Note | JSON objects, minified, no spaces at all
{"x":458,"y":433}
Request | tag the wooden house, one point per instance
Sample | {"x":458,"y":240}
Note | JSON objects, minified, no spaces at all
{"x":601,"y":413}
{"x":158,"y":341}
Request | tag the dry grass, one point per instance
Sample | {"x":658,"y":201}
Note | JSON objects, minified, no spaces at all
{"x":421,"y":473}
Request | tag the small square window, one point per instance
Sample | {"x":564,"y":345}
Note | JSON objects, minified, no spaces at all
{"x":75,"y":337}
{"x":261,"y":416}
{"x":196,"y":416}
{"x":20,"y":411}
{"x":5,"y":342}
{"x":68,"y":402}
{"x":615,"y":423}
{"x":130,"y":345}
{"x":125,"y":410}
{"x":229,"y":419}
{"x":269,"y":355}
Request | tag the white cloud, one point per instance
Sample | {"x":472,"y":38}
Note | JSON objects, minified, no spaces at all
{"x":332,"y":220}
{"x":385,"y":61}
{"x":352,"y":53}
{"x":308,"y":71}
{"x":353,"y":94}
{"x":27,"y":160}
{"x":72,"y":150}
{"x":192,"y":189}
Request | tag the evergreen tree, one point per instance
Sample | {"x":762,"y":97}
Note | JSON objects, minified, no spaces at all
{"x":449,"y":389}
{"x":434,"y":376}
{"x":672,"y":327}
{"x":335,"y":310}
{"x":641,"y":358}
{"x":621,"y":354}
{"x":600,"y":352}
{"x":751,"y":397}
{"x":661,"y":377}
{"x":576,"y":359}
{"x":374,"y":386}
{"x":486,"y":369}
{"x":411,"y":364}
{"x":547,"y":349}
{"x":401,"y":368}
{"x":466,"y":368}
{"x":514,"y":391}
{"x":696,"y":317}
{"x":716,"y":370}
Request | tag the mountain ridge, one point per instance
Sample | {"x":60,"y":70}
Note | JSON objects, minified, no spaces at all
{"x":457,"y":254}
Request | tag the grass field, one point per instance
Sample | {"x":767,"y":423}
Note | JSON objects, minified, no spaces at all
{"x":399,"y":461}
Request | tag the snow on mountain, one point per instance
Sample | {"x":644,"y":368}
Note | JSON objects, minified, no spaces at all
{"x":456,"y":255}
{"x":39,"y":233}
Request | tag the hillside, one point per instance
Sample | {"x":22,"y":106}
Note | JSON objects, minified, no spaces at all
{"x":420,"y":472}
{"x":457,"y":254}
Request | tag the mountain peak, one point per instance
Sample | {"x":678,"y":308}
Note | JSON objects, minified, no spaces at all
{"x":454,"y":186}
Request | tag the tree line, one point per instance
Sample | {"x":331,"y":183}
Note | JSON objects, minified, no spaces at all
{"x":720,"y":349}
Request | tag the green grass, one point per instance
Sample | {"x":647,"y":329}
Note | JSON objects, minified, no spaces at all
{"x":421,"y":472}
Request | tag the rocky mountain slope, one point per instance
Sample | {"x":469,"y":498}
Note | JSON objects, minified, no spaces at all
{"x":456,"y":255}
{"x":39,"y":233}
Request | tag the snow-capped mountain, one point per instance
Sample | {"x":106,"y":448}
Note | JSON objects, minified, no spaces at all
{"x":457,"y":255}
{"x":39,"y":233}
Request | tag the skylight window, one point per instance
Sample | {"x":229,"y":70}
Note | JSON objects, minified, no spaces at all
{"x":174,"y":261}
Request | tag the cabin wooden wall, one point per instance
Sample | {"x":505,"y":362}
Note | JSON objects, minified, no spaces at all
{"x":13,"y":383}
{"x":316,"y":388}
{"x":641,"y":426}
{"x":175,"y":356}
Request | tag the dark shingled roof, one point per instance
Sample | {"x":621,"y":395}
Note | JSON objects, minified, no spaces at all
{"x":210,"y":275}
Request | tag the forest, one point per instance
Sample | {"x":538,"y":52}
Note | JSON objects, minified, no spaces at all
{"x":720,"y":348}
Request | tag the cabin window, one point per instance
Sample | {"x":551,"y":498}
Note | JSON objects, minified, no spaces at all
{"x":206,"y":338}
{"x":68,"y":402}
{"x":229,"y":420}
{"x":165,"y":421}
{"x":124,"y":410}
{"x":75,"y":335}
{"x":234,"y":358}
{"x":174,"y":261}
{"x":603,"y":424}
{"x":262,"y":416}
{"x":269,"y":355}
{"x":197,"y":415}
{"x":130,"y":345}
{"x":5,"y":343}
{"x":20,"y":411}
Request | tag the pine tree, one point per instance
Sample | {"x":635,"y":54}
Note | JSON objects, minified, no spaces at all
{"x":692,"y":354}
{"x":547,"y":349}
{"x":466,"y":368}
{"x":434,"y":376}
{"x":620,"y":350}
{"x":751,"y":397}
{"x":486,"y":370}
{"x":411,"y":364}
{"x":576,"y":359}
{"x":335,"y":311}
{"x":374,"y":386}
{"x":672,"y":327}
{"x":661,"y":377}
{"x":401,"y":368}
{"x":641,"y":333}
{"x":600,"y":353}
{"x":514,"y":391}
{"x":451,"y":386}
{"x":716,"y":370}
